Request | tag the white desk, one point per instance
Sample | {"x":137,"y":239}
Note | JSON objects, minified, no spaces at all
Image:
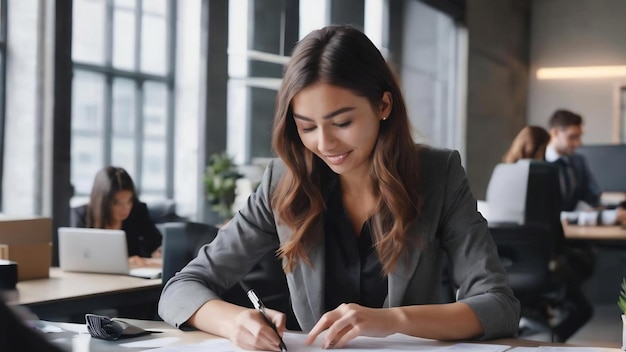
{"x":85,"y":343}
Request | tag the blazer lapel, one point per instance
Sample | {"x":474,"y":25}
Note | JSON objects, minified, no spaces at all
{"x":306,"y":284}
{"x":398,"y":280}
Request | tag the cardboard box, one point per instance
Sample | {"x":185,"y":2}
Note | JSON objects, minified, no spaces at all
{"x":27,"y":241}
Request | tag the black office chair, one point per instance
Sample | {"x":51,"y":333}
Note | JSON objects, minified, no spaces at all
{"x":163,"y":211}
{"x":181,"y":243}
{"x":527,"y":253}
{"x":533,"y":251}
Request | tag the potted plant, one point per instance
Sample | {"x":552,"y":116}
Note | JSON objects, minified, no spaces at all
{"x":621,"y":303}
{"x":220,"y":184}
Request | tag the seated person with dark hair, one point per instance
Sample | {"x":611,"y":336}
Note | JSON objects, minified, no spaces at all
{"x":113,"y":204}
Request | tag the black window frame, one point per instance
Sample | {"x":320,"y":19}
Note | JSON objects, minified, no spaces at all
{"x":3,"y":51}
{"x":110,"y":73}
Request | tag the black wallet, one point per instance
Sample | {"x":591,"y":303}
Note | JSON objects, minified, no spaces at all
{"x":103,"y":327}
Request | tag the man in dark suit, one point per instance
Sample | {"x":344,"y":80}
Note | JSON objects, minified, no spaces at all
{"x":577,"y":181}
{"x":577,"y":185}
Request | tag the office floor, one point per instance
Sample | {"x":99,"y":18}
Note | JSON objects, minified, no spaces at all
{"x":604,"y":329}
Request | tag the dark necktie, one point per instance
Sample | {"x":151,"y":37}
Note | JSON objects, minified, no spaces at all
{"x":565,"y":176}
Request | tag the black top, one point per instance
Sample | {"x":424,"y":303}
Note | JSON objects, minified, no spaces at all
{"x":353,"y":271}
{"x":142,"y":236}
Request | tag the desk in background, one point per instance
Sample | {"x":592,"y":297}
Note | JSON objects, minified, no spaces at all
{"x":594,"y":233}
{"x":65,"y":294}
{"x":608,"y":244}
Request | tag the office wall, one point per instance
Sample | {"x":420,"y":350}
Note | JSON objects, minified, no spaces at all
{"x":577,"y":33}
{"x":497,"y":83}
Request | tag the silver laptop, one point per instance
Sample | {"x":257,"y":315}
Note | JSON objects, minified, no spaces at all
{"x":98,"y":251}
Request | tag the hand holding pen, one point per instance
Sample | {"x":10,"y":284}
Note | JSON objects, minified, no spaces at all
{"x":258,"y":305}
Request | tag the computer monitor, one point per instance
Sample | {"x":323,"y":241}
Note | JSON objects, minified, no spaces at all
{"x":608,"y":165}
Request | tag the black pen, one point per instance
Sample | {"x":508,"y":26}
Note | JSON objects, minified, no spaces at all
{"x":258,"y":305}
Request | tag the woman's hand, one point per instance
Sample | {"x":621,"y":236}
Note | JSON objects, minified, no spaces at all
{"x":135,"y":261}
{"x":158,"y":253}
{"x":349,"y":321}
{"x":251,"y":331}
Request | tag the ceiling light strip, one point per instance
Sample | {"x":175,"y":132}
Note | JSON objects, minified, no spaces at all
{"x":581,"y":72}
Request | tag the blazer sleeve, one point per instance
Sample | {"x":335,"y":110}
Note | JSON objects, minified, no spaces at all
{"x":219,"y":265}
{"x":476,"y":267}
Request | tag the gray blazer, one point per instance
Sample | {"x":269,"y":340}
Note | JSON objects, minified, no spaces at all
{"x":449,"y":224}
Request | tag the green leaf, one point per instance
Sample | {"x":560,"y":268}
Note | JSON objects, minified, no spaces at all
{"x":220,"y":183}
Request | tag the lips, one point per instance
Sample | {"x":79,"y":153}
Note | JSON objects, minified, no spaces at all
{"x":336,"y":159}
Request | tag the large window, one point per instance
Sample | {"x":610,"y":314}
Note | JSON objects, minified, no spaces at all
{"x":122,"y":100}
{"x":433,"y":75}
{"x":261,"y":34}
{"x":3,"y":46}
{"x":431,"y":55}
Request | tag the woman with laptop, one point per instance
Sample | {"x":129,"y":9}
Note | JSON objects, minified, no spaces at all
{"x":113,"y":204}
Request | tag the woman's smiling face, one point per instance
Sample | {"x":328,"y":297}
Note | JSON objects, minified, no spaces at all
{"x":338,"y":126}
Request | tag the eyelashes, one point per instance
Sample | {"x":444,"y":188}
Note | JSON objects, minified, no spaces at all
{"x":340,"y":125}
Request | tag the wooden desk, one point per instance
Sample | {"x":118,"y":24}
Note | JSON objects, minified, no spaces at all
{"x":176,"y":337}
{"x":67,"y":293}
{"x":599,"y":233}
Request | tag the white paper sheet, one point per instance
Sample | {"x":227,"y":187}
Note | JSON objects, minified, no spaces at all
{"x":576,"y":349}
{"x":150,"y":343}
{"x":562,"y":349}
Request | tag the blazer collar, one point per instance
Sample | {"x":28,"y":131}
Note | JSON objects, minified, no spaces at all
{"x":306,"y":284}
{"x":405,"y":267}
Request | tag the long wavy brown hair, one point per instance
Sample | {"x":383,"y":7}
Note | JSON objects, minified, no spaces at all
{"x":107,"y":183}
{"x":344,"y":57}
{"x":530,"y":143}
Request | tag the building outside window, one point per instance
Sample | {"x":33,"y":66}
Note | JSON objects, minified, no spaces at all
{"x":432,"y":73}
{"x":122,"y":96}
{"x":433,"y":76}
{"x":261,"y":34}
